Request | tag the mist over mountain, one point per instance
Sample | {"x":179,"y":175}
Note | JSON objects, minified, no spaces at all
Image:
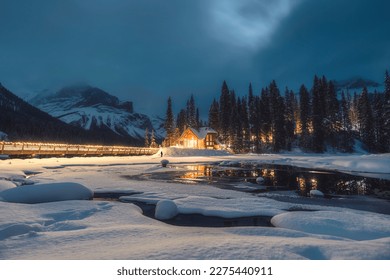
{"x":357,"y":84}
{"x":80,"y":96}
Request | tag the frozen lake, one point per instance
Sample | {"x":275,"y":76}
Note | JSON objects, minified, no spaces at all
{"x":219,"y":214}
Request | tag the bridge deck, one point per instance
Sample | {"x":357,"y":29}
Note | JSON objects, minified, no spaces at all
{"x":22,"y":149}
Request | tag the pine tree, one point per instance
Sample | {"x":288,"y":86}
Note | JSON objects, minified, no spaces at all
{"x":304,"y":116}
{"x":354,"y":112}
{"x":379,"y":127}
{"x":176,"y":135}
{"x":237,"y":126}
{"x":254,"y":122}
{"x":197,"y":119}
{"x":333,"y":117}
{"x":386,"y":111}
{"x":245,"y":125}
{"x":214,"y":116}
{"x":277,"y":115}
{"x":191,"y":112}
{"x":181,"y":121}
{"x":289,"y":117}
{"x":366,"y":121}
{"x":224,"y":113}
{"x":346,"y":141}
{"x":147,"y":141}
{"x":323,"y":92}
{"x":233,"y":118}
{"x":153,"y":143}
{"x":169,"y":124}
{"x":318,"y":105}
{"x":265,"y":119}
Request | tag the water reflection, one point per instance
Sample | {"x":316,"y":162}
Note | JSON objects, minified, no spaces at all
{"x":288,"y":177}
{"x":197,"y":171}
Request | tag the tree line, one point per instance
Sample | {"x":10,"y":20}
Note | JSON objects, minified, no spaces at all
{"x":318,"y":119}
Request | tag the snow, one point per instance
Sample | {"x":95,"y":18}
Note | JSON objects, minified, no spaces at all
{"x":119,"y":120}
{"x":349,"y":224}
{"x":260,"y":180}
{"x":40,"y":193}
{"x":184,"y":152}
{"x":164,"y":162}
{"x":230,"y":208}
{"x":165,"y":210}
{"x":304,"y":228}
{"x":12,"y":175}
{"x":372,"y":165}
{"x":5,"y":185}
{"x":316,"y":193}
{"x":203,"y":131}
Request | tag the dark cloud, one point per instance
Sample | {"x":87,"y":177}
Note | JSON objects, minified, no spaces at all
{"x":146,"y":50}
{"x":340,"y":39}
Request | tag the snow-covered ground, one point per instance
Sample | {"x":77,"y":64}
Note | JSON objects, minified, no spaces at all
{"x":101,"y":229}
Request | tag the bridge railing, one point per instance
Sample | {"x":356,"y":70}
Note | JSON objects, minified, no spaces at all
{"x":22,"y":149}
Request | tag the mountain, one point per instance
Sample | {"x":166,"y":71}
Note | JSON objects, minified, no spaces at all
{"x":95,"y":110}
{"x":23,"y":122}
{"x":357,"y":84}
{"x":3,"y":136}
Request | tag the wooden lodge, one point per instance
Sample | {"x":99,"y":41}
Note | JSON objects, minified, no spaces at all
{"x":204,"y":138}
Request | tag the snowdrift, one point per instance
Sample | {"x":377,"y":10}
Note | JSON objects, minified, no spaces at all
{"x":347,"y":224}
{"x":5,"y":185}
{"x":182,"y":152}
{"x":46,"y":193}
{"x":165,"y":210}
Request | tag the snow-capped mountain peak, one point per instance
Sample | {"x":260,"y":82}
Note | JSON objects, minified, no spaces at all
{"x":92,"y":109}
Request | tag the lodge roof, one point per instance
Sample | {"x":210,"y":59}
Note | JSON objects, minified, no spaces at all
{"x":202,"y":132}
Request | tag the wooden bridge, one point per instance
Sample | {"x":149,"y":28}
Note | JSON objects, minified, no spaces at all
{"x":26,"y":149}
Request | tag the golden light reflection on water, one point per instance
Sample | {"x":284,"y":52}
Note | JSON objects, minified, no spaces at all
{"x":307,"y":184}
{"x":301,"y":184}
{"x":201,"y":171}
{"x":301,"y":181}
{"x":196,"y":171}
{"x":269,"y":173}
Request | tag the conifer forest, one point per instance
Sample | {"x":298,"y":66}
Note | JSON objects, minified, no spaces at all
{"x":317,"y":119}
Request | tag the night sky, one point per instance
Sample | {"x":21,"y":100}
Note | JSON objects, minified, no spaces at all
{"x":147,"y":50}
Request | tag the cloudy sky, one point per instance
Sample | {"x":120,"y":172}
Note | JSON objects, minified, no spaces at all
{"x":146,"y":50}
